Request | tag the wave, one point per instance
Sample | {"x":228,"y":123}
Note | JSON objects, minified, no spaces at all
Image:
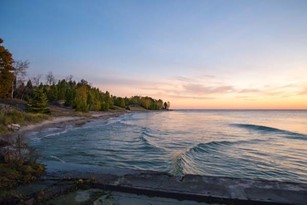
{"x":265,"y":129}
{"x":205,"y":147}
{"x":57,"y":158}
{"x":147,"y":134}
{"x":186,"y":161}
{"x":56,"y":133}
{"x":177,"y":163}
{"x":148,"y":143}
{"x":145,"y":139}
{"x":182,"y":162}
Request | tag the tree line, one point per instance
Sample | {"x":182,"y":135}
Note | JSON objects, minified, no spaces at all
{"x":79,"y":95}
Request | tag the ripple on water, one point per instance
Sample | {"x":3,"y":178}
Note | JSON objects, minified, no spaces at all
{"x":235,"y":144}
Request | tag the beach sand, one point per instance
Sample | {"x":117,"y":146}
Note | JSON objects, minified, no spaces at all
{"x":61,"y":121}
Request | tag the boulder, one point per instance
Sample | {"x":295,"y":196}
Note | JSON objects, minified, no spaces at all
{"x":14,"y":127}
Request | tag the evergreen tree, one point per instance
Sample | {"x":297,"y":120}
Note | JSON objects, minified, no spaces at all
{"x":38,"y":101}
{"x":70,"y":96}
{"x":52,"y":93}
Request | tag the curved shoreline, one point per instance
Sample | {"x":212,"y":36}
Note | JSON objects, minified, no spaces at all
{"x":62,"y":121}
{"x":139,"y":183}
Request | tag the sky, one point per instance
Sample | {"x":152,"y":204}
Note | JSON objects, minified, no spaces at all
{"x":217,"y":54}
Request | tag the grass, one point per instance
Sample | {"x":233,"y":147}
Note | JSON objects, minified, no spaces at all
{"x":12,"y":115}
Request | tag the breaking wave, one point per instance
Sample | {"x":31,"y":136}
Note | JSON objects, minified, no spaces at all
{"x":145,"y":138}
{"x":57,"y":158}
{"x":265,"y":129}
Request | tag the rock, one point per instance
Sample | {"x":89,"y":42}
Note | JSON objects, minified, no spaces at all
{"x":13,"y":127}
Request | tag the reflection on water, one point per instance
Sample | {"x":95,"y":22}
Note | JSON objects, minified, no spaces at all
{"x":246,"y":144}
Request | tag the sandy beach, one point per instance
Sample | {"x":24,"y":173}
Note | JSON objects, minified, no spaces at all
{"x":61,"y":121}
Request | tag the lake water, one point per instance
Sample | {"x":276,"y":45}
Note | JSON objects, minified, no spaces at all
{"x":269,"y":145}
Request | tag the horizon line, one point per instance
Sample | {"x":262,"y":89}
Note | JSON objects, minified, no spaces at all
{"x":238,"y":109}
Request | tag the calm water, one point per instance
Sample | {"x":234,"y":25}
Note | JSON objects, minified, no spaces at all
{"x":245,"y":144}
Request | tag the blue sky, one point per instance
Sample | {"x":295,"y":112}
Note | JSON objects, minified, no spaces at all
{"x":199,"y":54}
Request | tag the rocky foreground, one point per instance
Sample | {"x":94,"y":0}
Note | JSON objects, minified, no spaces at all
{"x":157,"y":188}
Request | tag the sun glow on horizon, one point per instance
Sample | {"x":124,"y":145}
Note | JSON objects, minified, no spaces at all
{"x":196,"y":54}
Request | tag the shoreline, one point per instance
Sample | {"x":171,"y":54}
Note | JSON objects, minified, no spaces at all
{"x":145,"y":185}
{"x":61,"y":121}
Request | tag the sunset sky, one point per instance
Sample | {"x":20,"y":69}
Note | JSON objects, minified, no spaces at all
{"x":196,"y":54}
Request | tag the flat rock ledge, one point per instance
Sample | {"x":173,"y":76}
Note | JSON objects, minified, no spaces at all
{"x":203,"y":189}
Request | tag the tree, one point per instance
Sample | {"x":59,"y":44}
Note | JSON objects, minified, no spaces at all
{"x":36,"y":80}
{"x":146,"y":102}
{"x":70,"y":95}
{"x":6,"y":79}
{"x":20,"y":72}
{"x":160,"y":104}
{"x":69,"y":78}
{"x":62,"y":88}
{"x":52,"y":93}
{"x":38,"y":102}
{"x":120,"y":102}
{"x":167,"y":105}
{"x":6,"y":72}
{"x":81,"y":98}
{"x":92,"y":100}
{"x":109,"y":100}
{"x":50,"y":78}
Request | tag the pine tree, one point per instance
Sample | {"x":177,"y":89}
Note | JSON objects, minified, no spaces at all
{"x":38,"y":102}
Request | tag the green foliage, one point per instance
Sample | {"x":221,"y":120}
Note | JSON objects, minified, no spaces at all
{"x":52,"y":93}
{"x":70,"y":96}
{"x":38,"y":102}
{"x":145,"y":102}
{"x":81,"y":98}
{"x":104,"y":106}
{"x":109,"y":100}
{"x":120,"y":102}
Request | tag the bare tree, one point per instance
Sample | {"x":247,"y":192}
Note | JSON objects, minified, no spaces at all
{"x":19,"y":73}
{"x":36,"y":80}
{"x":69,"y":78}
{"x":50,"y":78}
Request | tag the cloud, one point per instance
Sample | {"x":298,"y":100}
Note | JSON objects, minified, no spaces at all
{"x":183,"y":79}
{"x":192,"y":97}
{"x":200,"y":89}
{"x":193,"y":79}
{"x":248,"y":90}
{"x":195,"y":88}
{"x":304,"y":91}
